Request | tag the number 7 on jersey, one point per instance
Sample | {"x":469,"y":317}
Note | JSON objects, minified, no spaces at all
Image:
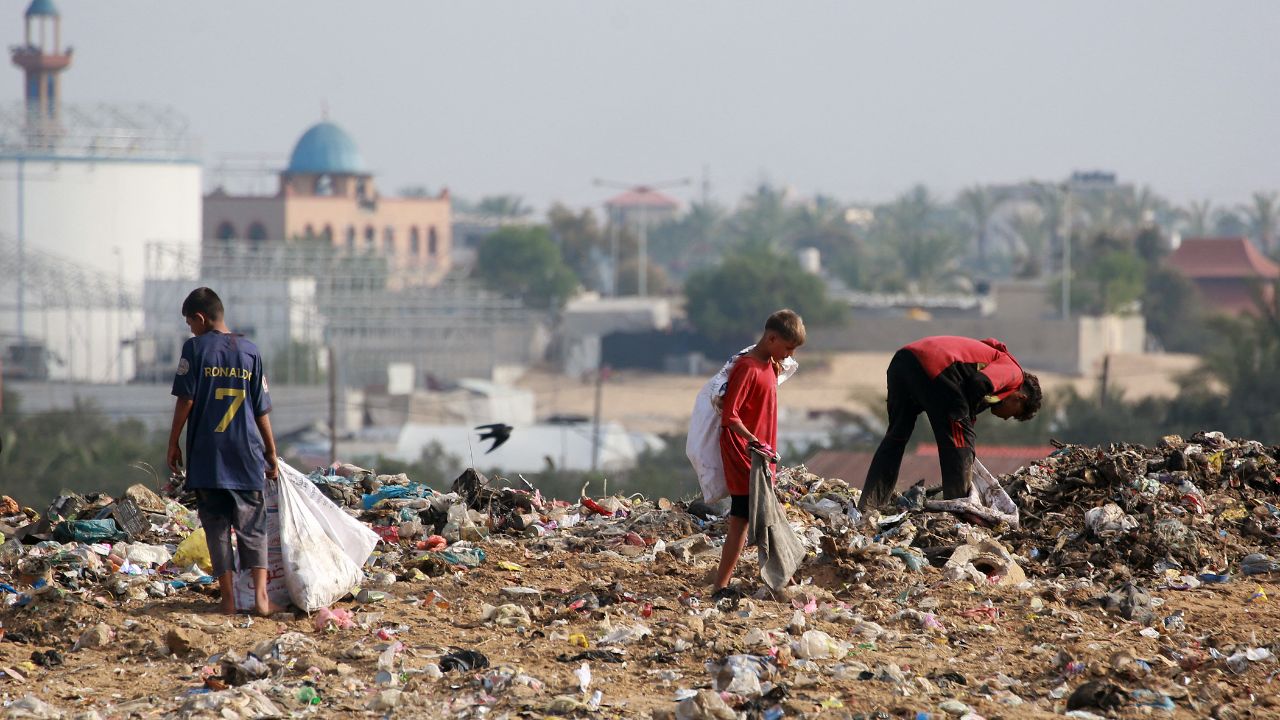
{"x":237,"y":399}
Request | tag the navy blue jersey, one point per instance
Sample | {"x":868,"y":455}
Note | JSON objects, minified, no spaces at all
{"x":223,"y":376}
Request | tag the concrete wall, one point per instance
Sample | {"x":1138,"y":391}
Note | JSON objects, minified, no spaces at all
{"x":294,"y":406}
{"x":1072,"y":347}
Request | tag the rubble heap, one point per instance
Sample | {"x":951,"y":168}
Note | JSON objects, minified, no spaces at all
{"x":1136,"y":582}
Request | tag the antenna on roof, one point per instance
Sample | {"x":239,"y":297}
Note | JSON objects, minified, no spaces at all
{"x":324,"y":110}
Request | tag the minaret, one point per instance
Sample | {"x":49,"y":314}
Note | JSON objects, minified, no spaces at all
{"x":42,"y":59}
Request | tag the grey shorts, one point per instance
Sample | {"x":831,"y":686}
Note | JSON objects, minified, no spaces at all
{"x":245,"y":511}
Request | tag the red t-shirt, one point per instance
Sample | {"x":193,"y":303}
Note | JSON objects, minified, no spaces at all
{"x":751,"y":397}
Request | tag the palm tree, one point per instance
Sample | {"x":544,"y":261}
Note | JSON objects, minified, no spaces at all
{"x":1029,"y":227}
{"x":909,"y":232}
{"x":980,"y":203}
{"x":761,"y":220}
{"x":1052,"y":200}
{"x":1199,"y":214}
{"x":1263,"y":214}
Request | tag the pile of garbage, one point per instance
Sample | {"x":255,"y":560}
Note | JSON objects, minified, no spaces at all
{"x":1182,"y":513}
{"x":490,"y":599}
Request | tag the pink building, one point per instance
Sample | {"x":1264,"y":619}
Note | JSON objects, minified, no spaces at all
{"x":327,"y":194}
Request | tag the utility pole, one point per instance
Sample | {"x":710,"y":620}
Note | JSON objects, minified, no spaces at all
{"x":22,"y":256}
{"x":1102,"y":388}
{"x":595,"y":433}
{"x":1066,"y":252}
{"x":333,"y":406}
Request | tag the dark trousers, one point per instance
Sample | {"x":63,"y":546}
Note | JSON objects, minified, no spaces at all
{"x":244,"y":511}
{"x":911,"y":392}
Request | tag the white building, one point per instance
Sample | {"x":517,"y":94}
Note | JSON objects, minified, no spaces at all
{"x":83,"y":189}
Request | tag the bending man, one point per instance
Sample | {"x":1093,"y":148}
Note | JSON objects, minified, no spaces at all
{"x":950,"y":379}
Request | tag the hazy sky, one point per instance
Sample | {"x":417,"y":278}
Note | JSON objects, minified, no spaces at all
{"x":858,"y":100}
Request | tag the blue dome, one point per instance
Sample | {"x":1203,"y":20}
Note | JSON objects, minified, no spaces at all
{"x":42,"y":7}
{"x":326,"y":148}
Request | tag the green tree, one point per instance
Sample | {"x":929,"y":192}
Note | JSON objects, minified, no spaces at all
{"x":503,"y":206}
{"x":1263,"y":215}
{"x":762,"y":219}
{"x":1229,"y":223}
{"x":729,"y":303}
{"x":692,"y":241}
{"x":916,"y":247}
{"x":1110,"y":283}
{"x":581,"y":241}
{"x":1244,"y":361}
{"x":523,"y":262}
{"x":1028,"y":226}
{"x":980,"y":203}
{"x":1199,"y":217}
{"x":1173,"y":311}
{"x":77,"y":449}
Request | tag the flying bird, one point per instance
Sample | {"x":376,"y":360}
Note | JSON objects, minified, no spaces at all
{"x":497,"y":432}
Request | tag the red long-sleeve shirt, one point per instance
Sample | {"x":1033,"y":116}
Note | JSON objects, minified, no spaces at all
{"x":752,"y":398}
{"x":989,"y":357}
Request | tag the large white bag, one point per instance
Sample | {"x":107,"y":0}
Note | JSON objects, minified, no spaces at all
{"x":354,"y":537}
{"x":986,"y":499}
{"x":703,"y":444}
{"x":323,"y":547}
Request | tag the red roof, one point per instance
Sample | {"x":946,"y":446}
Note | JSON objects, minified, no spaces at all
{"x":920,"y":465}
{"x":642,"y":197}
{"x":1236,"y":257}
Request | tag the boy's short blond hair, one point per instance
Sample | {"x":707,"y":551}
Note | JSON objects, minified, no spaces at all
{"x":787,"y":324}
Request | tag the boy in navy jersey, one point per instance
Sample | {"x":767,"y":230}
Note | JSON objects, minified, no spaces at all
{"x":222,"y":390}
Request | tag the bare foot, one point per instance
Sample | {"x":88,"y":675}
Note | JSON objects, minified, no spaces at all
{"x":228,"y":606}
{"x":268,"y":608}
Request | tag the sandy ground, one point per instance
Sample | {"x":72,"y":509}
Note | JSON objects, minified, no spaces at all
{"x":134,"y":676}
{"x":653,"y":402}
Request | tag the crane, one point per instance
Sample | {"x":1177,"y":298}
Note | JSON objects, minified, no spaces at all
{"x":642,"y":231}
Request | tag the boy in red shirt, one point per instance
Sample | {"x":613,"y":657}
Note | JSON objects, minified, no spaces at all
{"x":750,"y":419}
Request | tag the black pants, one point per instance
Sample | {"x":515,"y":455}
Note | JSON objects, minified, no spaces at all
{"x":911,"y":392}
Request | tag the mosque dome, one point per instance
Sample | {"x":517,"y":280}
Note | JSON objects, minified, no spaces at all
{"x":326,"y":148}
{"x":42,"y":7}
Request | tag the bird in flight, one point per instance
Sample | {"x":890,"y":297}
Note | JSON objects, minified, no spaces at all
{"x":497,"y":432}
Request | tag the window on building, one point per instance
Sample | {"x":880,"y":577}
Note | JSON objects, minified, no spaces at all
{"x":351,"y":238}
{"x":225,"y":231}
{"x":415,"y":241}
{"x":370,"y":237}
{"x":389,"y":240}
{"x":257,"y":232}
{"x":324,"y":185}
{"x":309,"y":232}
{"x":432,"y":241}
{"x":328,"y":234}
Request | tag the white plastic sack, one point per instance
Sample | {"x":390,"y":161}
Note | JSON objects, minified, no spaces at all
{"x":986,"y":499}
{"x":703,"y":444}
{"x":354,"y":537}
{"x":323,"y":547}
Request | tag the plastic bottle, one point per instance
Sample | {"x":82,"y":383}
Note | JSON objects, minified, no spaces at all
{"x":307,"y":695}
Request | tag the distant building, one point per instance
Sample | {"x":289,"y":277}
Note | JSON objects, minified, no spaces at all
{"x":327,"y":195}
{"x":83,"y":190}
{"x":642,"y":205}
{"x":1227,"y":272}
